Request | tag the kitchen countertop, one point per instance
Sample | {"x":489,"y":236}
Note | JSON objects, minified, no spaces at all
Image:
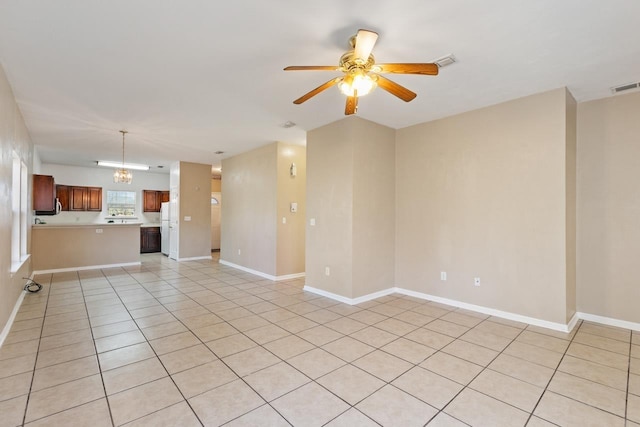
{"x":87,"y":225}
{"x":150,"y":224}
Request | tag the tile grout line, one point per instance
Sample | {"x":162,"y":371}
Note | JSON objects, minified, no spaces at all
{"x":35,"y":363}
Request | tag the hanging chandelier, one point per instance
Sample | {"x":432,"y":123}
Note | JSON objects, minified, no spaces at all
{"x":122,"y":175}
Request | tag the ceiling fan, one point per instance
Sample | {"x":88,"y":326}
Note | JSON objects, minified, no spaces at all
{"x":362,"y":74}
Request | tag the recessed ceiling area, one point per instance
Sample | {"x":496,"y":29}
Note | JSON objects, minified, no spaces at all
{"x":190,"y":78}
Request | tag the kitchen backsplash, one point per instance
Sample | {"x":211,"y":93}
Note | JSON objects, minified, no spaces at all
{"x":94,"y":218}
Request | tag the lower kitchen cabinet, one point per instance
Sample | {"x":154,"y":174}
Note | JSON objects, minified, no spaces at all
{"x":150,"y":239}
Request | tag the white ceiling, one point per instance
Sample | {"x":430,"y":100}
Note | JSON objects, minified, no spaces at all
{"x":187,"y":78}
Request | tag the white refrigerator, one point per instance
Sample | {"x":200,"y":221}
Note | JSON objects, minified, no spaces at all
{"x":164,"y":228}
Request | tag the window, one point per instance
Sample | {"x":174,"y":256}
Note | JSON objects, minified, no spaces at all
{"x":121,"y":203}
{"x":19,"y":206}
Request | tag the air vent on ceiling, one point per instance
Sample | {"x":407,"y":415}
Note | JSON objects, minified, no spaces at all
{"x":445,"y":60}
{"x":625,"y":87}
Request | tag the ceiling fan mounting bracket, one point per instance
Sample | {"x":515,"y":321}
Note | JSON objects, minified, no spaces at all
{"x":349,"y":63}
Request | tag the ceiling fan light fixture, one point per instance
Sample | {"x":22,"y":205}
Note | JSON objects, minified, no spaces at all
{"x":360,"y":84}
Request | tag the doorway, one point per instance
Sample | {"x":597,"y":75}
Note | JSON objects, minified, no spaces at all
{"x":216,"y":201}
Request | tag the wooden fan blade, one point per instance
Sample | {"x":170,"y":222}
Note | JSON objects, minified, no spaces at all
{"x":395,"y":89}
{"x":424,"y":69}
{"x":352,"y":105}
{"x":365,"y":40}
{"x":312,"y":68}
{"x":317,"y":90}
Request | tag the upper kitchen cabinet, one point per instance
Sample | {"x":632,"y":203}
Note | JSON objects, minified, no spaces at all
{"x":82,"y":198}
{"x":152,"y":200}
{"x":44,"y":195}
{"x":62,"y":193}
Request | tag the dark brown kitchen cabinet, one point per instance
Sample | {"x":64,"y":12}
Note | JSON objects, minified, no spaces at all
{"x":62,"y":193}
{"x":85,"y":199}
{"x":44,"y":195}
{"x":150,"y":239}
{"x":152,"y":200}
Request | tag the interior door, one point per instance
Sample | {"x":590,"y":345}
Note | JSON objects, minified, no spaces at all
{"x":216,"y":200}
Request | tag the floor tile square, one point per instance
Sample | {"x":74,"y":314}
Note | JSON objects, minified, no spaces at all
{"x":65,"y":372}
{"x":203,"y":378}
{"x":589,"y":392}
{"x":94,"y":414}
{"x":507,"y":389}
{"x":352,"y":418}
{"x":276,"y":380}
{"x":521,"y":369}
{"x":452,"y":367}
{"x":174,"y":342}
{"x":231,"y":344}
{"x":431,"y":388}
{"x":125,"y":355}
{"x":315,"y":363}
{"x":187,"y":358}
{"x":310,"y":405}
{"x":535,"y":354}
{"x":374,"y":337}
{"x":348,"y":349}
{"x":319,"y":335}
{"x":408,"y":350}
{"x":288,"y":347}
{"x":477,"y":409}
{"x":471,"y":352}
{"x":64,"y":396}
{"x":137,"y":402}
{"x":390,"y":406}
{"x":594,"y":372}
{"x":350,"y":383}
{"x":265,"y":415}
{"x":563,"y":411}
{"x":120,"y":340}
{"x":383,"y":365}
{"x":179,"y":414}
{"x":267,"y":334}
{"x":133,"y":375}
{"x":249,"y":361}
{"x":429,"y":338}
{"x":224,"y":403}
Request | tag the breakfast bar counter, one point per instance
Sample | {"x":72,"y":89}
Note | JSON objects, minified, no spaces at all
{"x":77,"y":246}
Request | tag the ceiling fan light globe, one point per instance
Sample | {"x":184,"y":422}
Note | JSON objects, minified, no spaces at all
{"x":360,"y":84}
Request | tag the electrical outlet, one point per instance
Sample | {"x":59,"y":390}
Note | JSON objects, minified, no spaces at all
{"x":327,"y":271}
{"x":284,"y":219}
{"x":443,"y":275}
{"x":312,"y":221}
{"x":476,"y":281}
{"x":98,"y":230}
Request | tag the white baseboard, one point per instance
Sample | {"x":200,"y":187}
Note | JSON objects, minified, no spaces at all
{"x":609,"y":321}
{"x":260,"y":273}
{"x":88,"y":267}
{"x":12,"y":317}
{"x":350,"y":301}
{"x":490,"y":311}
{"x":472,"y":307}
{"x":194,"y":258}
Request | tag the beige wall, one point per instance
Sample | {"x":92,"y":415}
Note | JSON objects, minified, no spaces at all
{"x":482,"y":194}
{"x":609,"y":207}
{"x":258,"y":190}
{"x":195,"y":202}
{"x":290,"y":241}
{"x":350,"y":195}
{"x":249,"y":210}
{"x":374,"y":220}
{"x":13,"y":137}
{"x":58,"y":247}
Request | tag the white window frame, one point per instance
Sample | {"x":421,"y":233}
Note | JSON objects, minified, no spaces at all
{"x":19,"y":213}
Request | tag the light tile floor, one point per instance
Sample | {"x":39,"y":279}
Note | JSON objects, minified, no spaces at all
{"x":198,"y":343}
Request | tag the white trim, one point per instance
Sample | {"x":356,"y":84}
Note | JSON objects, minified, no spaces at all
{"x":260,"y":273}
{"x":573,"y":322}
{"x":194,"y":258}
{"x":609,"y":321}
{"x":12,"y":318}
{"x":486,"y":310}
{"x":350,"y":301}
{"x":88,"y":267}
{"x":16,"y":266}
